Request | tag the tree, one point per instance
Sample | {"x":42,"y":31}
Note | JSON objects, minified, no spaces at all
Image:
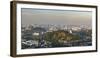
{"x":57,"y":38}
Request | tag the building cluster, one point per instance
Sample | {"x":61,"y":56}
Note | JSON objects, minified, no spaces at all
{"x":50,"y":28}
{"x":32,"y":35}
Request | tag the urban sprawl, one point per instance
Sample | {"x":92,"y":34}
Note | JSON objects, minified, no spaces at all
{"x":51,"y":36}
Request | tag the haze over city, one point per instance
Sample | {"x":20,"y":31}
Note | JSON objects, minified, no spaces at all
{"x":47,"y":28}
{"x":58,"y":17}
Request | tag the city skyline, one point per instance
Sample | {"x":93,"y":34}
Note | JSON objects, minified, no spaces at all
{"x":55,"y":28}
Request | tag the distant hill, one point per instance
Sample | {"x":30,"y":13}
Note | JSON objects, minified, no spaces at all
{"x":61,"y":36}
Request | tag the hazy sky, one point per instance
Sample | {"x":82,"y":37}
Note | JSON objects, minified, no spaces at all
{"x":59,"y":17}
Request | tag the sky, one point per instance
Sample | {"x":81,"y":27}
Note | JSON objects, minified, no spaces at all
{"x":57,"y":17}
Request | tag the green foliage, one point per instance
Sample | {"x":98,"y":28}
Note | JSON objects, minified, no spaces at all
{"x":75,"y":37}
{"x":56,"y":36}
